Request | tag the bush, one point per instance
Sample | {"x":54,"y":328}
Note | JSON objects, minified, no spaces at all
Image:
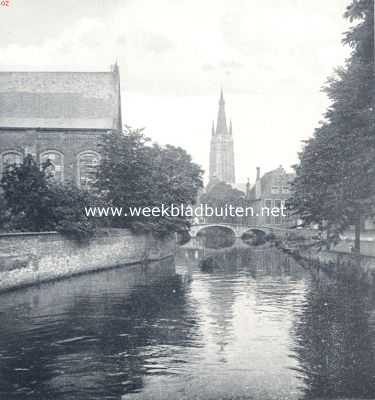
{"x":69,"y":215}
{"x":33,"y":201}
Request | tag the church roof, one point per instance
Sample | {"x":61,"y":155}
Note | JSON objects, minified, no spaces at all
{"x":66,"y":100}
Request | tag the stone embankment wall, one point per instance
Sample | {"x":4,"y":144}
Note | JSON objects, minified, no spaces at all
{"x":334,"y":262}
{"x":30,"y":258}
{"x":339,"y":260}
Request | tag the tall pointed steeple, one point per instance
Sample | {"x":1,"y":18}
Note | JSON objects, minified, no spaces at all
{"x":221,"y":126}
{"x":221,"y":150}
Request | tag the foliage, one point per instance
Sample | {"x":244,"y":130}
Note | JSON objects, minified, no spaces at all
{"x":69,"y":216}
{"x":222,"y":192}
{"x":28,"y":197}
{"x":136,"y":173}
{"x":33,"y":201}
{"x":334,"y":185}
{"x":4,"y":215}
{"x":220,"y":195}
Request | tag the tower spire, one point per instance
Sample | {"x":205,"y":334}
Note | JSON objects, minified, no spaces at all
{"x":221,"y":125}
{"x":221,"y":150}
{"x":213,"y":128}
{"x":221,"y":101}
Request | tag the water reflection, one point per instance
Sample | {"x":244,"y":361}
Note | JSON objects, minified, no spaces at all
{"x":246,"y":307}
{"x":257,"y":327}
{"x":335,"y":339}
{"x":95,"y":336}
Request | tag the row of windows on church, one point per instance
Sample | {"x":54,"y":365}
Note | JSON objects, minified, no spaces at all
{"x":87,"y":163}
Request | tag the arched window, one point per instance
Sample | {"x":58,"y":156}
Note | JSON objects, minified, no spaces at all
{"x":10,"y":158}
{"x":88,"y":162}
{"x":56,"y":169}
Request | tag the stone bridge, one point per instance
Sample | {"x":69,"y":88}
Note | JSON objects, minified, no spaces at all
{"x":238,"y":230}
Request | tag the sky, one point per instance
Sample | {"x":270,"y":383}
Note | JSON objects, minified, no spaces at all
{"x":271,"y":57}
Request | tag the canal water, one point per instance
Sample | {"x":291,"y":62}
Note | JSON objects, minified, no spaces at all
{"x":257,"y":327}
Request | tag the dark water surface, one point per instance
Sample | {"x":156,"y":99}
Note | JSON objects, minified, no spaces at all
{"x":259,"y":327}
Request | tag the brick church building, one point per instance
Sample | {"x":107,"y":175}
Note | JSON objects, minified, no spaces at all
{"x":58,"y":116}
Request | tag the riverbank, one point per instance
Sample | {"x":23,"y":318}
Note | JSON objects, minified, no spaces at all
{"x":31,"y":258}
{"x":336,"y":261}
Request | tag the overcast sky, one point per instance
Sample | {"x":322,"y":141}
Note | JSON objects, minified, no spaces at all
{"x":270,"y":56}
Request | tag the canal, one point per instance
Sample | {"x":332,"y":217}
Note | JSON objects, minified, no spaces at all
{"x":257,"y":327}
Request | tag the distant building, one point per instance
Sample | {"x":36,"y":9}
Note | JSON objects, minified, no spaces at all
{"x":221,"y":150}
{"x":58,"y":116}
{"x":241,"y":186}
{"x":270,"y":190}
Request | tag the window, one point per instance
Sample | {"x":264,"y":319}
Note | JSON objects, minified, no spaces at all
{"x":56,"y":169}
{"x":275,"y":189}
{"x":286,"y":217}
{"x":10,"y":158}
{"x":285,"y":190}
{"x":87,"y":165}
{"x":268,"y":204}
{"x":278,"y":220}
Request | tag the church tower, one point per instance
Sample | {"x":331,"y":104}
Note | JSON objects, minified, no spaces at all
{"x":221,"y":151}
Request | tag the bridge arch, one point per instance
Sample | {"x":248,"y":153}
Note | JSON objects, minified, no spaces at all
{"x":257,"y":231}
{"x":238,"y":230}
{"x":203,"y":227}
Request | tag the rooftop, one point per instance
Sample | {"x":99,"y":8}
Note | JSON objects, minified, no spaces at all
{"x":65,"y":100}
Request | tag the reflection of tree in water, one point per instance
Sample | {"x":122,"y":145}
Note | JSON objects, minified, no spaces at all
{"x":230,"y":259}
{"x":188,"y":257}
{"x":113,"y":333}
{"x":227,"y":259}
{"x":272,"y":261}
{"x":335,"y":340}
{"x":269,"y":261}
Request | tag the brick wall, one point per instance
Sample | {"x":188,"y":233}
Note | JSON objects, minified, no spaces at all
{"x":69,"y":143}
{"x":30,"y":258}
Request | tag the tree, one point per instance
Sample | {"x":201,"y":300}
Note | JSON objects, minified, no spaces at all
{"x":68,"y":212}
{"x":28,"y":197}
{"x":221,"y":194}
{"x":33,"y":201}
{"x":335,"y":177}
{"x":134,"y":173}
{"x":176,"y":180}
